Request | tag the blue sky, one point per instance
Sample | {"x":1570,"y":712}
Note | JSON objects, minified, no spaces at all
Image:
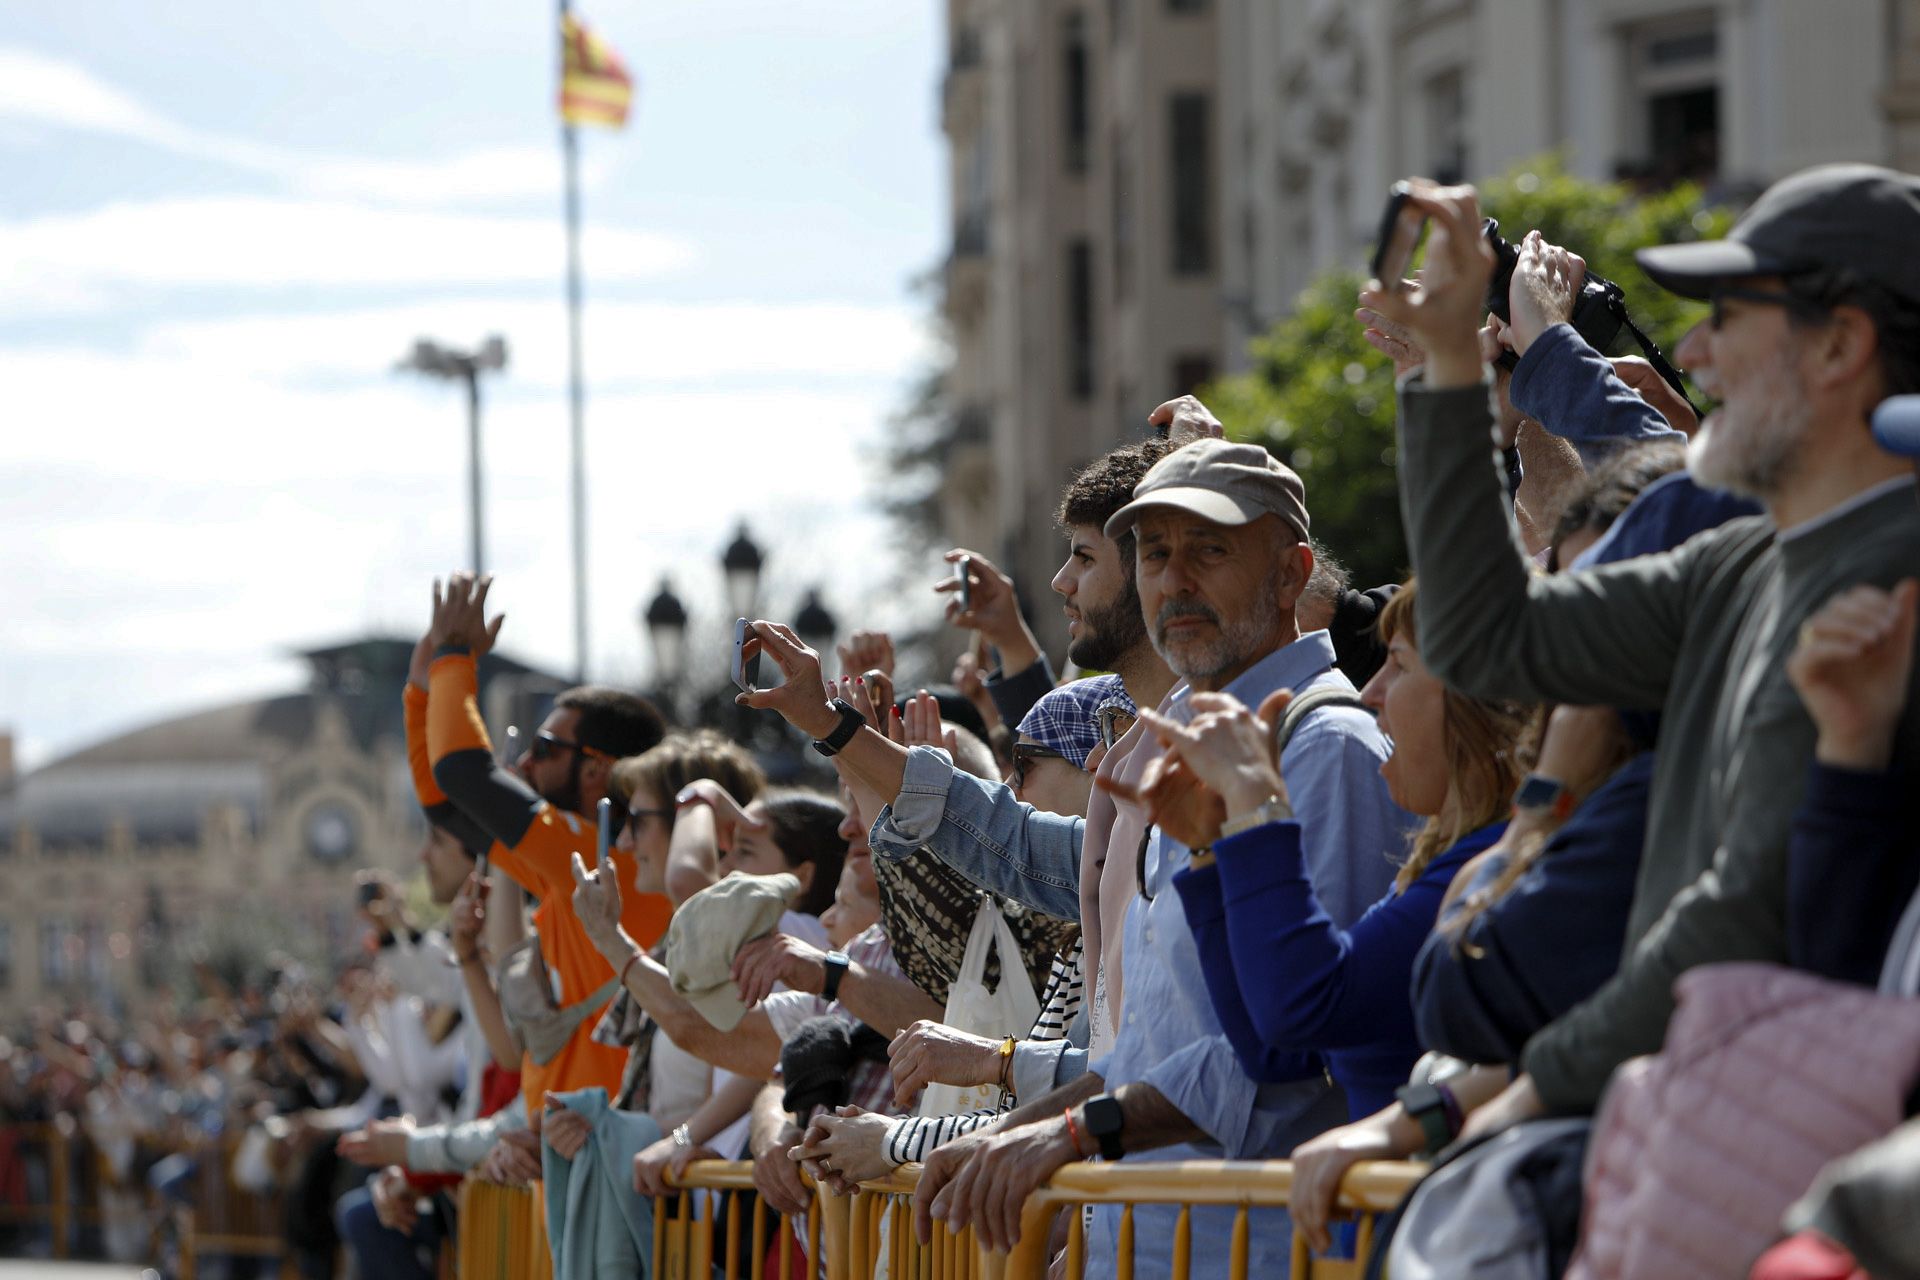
{"x":224,"y":222}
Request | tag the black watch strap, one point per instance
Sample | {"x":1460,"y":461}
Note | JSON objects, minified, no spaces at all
{"x":837,"y":965}
{"x":1428,"y":1109}
{"x":1105,"y":1119}
{"x":850,"y":722}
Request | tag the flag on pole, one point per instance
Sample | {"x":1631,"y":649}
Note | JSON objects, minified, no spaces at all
{"x":595,"y":86}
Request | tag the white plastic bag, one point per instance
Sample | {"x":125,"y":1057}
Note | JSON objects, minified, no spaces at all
{"x":1010,"y":1011}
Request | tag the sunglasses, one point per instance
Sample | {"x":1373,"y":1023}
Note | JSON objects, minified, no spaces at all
{"x":1114,"y":722}
{"x":1024,"y":753}
{"x":545,"y":746}
{"x":1717,"y":314}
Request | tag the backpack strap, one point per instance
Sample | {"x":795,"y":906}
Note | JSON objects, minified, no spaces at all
{"x":1304,"y":705}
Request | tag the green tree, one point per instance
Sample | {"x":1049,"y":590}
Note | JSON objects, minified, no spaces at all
{"x":1323,"y":401}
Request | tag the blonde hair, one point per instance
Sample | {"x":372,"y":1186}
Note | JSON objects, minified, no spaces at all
{"x":1482,"y":738}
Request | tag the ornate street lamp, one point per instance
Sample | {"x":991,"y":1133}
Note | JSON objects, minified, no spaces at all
{"x":741,"y":561}
{"x":815,"y":626}
{"x":666,"y":620}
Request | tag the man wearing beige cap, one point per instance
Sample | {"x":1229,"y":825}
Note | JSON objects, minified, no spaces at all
{"x":1221,"y":560}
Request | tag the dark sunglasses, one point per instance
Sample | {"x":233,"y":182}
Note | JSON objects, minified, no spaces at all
{"x":1114,"y":723}
{"x":1025,"y":753}
{"x":545,"y":746}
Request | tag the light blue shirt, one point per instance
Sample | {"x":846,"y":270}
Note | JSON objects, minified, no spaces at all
{"x":1169,"y":1037}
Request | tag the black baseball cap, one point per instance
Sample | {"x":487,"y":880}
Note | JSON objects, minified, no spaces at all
{"x":1852,"y":216}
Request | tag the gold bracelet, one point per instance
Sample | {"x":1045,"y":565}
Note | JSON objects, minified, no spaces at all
{"x":1006,"y":1063}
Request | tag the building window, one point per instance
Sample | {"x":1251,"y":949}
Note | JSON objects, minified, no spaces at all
{"x":1189,"y":132}
{"x":1077,"y":88}
{"x":1080,"y":319}
{"x":1191,"y":373}
{"x":1444,"y":103}
{"x":1674,"y":90}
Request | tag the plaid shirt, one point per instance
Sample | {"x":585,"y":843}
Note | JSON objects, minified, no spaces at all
{"x":1067,"y":719}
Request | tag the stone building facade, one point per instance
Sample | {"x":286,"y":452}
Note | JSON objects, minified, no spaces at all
{"x":118,"y":857}
{"x":1139,"y":186}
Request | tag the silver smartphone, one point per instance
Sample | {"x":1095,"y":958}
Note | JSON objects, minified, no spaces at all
{"x":746,"y":671}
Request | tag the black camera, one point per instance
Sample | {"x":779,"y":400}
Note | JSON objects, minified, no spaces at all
{"x":1599,"y":313}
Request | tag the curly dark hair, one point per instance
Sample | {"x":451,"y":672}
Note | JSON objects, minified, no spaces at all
{"x":1105,"y":485}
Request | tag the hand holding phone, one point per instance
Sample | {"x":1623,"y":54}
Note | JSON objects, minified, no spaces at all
{"x":603,"y":840}
{"x":746,"y":670}
{"x":1401,"y":225}
{"x":963,"y":574}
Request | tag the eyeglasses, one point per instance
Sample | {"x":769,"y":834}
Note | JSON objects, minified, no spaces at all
{"x":1717,"y":314}
{"x":1114,"y":721}
{"x":545,"y":746}
{"x":1024,"y":753}
{"x":637,"y":817}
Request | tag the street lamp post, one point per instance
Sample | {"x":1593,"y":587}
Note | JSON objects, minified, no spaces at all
{"x":741,"y":562}
{"x":437,"y":361}
{"x":815,"y":625}
{"x":666,"y":621}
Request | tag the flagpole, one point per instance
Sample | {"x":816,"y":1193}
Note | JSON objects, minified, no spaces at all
{"x":576,"y":392}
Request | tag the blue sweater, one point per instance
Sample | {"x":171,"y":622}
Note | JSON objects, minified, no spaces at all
{"x":1284,"y":978}
{"x":1851,"y":871}
{"x":1549,"y":943}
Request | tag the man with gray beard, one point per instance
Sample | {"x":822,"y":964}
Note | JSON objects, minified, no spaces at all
{"x":1815,"y":320}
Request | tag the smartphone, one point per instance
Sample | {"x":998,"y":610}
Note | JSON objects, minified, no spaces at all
{"x":746,"y":671}
{"x":603,"y":842}
{"x":963,"y":574}
{"x":1400,"y":228}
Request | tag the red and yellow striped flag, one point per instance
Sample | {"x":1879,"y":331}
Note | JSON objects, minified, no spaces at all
{"x":595,"y":86}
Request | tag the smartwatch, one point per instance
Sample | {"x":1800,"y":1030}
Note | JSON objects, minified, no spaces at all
{"x":836,"y":965}
{"x":1427,"y":1107}
{"x":1105,"y":1119}
{"x":850,"y":722}
{"x":1539,"y":793}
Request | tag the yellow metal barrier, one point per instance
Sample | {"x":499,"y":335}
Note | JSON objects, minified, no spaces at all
{"x":684,"y":1226}
{"x":502,"y":1233}
{"x":871,"y":1234}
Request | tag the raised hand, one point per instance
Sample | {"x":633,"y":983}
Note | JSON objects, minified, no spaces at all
{"x":1852,"y":669}
{"x":802,"y":697}
{"x":1186,"y":420}
{"x":866,"y":651}
{"x":1219,"y":764}
{"x":1546,"y":284}
{"x":459,"y":615}
{"x":1390,"y":338}
{"x":995,"y":608}
{"x":468,"y":916}
{"x":728,"y":816}
{"x":1441,"y":312}
{"x":922,"y":726}
{"x":596,"y":901}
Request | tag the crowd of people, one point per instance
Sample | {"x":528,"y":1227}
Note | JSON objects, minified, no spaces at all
{"x":1579,"y":861}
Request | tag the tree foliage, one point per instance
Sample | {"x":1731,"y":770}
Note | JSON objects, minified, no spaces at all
{"x":1323,"y":401}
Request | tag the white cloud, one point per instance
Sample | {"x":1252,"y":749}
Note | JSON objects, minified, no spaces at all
{"x":132,"y":250}
{"x":38,"y":90}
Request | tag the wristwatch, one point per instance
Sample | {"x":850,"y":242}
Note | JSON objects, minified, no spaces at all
{"x":850,"y":722}
{"x":1104,"y":1120}
{"x":1427,"y":1107}
{"x":1272,"y":809}
{"x":836,"y":965}
{"x":1539,"y":793}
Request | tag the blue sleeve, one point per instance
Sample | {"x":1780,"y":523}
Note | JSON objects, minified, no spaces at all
{"x":1480,"y":993}
{"x":1851,"y":868}
{"x":1013,"y":696}
{"x":1200,"y":899}
{"x":1571,"y":390}
{"x":1343,"y":988}
{"x":977,"y":827}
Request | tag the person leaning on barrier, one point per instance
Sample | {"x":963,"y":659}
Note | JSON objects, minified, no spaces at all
{"x":1801,"y":345}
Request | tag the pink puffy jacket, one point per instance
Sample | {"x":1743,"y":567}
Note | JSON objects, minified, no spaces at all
{"x":1766,"y":1075}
